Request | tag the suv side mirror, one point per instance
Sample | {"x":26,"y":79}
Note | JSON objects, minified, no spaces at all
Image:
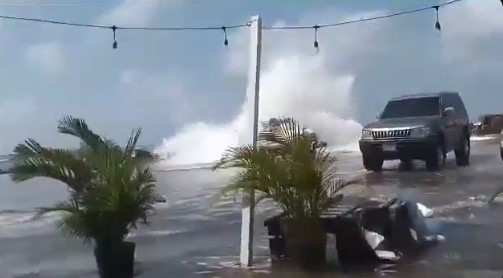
{"x":449,"y":111}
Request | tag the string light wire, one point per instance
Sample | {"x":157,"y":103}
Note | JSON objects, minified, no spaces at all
{"x":100,"y":26}
{"x":336,"y":24}
{"x":316,"y":28}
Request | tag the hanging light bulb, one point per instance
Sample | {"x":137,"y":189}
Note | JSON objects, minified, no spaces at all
{"x":114,"y":45}
{"x":437,"y":23}
{"x":316,"y":44}
{"x":226,"y":41}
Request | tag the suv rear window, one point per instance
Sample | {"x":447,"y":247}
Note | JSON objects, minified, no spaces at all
{"x":413,"y":107}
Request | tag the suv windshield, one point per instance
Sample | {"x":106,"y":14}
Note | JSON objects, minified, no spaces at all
{"x":413,"y":107}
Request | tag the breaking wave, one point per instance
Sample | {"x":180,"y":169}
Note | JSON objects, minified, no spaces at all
{"x":295,"y":86}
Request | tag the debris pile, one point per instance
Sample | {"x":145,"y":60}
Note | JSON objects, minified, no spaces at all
{"x":369,"y":234}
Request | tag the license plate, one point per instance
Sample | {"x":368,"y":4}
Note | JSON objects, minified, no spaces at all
{"x":389,"y":147}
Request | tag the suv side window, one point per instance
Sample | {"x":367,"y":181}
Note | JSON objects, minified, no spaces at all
{"x":459,"y":106}
{"x":454,"y":101}
{"x":447,"y":102}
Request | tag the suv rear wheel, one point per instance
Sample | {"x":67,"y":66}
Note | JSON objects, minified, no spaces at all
{"x":463,"y":152}
{"x":372,"y":163}
{"x":436,"y":158}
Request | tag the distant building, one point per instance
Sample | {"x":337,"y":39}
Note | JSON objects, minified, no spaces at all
{"x":488,"y":124}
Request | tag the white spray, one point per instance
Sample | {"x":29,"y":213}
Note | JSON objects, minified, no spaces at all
{"x":293,"y":86}
{"x":314,"y":88}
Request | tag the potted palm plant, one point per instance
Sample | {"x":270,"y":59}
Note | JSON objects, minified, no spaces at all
{"x":298,"y":176}
{"x":110,"y":191}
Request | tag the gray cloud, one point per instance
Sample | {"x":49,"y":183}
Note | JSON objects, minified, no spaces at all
{"x":131,"y":13}
{"x":47,"y":57}
{"x":164,"y":81}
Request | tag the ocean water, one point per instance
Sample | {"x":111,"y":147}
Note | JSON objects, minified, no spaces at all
{"x":195,"y":235}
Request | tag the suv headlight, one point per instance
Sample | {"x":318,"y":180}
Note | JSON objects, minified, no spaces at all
{"x":367,"y":134}
{"x":420,"y":132}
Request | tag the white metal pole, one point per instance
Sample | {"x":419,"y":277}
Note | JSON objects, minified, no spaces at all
{"x":252,"y":93}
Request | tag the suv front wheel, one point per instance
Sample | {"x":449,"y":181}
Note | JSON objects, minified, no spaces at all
{"x":436,"y":158}
{"x":372,"y":163}
{"x":463,"y":152}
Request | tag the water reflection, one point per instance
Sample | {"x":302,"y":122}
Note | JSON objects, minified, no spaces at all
{"x":473,"y":246}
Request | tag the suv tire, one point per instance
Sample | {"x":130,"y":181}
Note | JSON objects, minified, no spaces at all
{"x":436,"y":158}
{"x":372,"y":163}
{"x":463,"y":152}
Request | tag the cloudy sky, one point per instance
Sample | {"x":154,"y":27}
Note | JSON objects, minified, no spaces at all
{"x":189,"y":85}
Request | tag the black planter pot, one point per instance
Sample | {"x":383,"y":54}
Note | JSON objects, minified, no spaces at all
{"x":307,"y":245}
{"x":115,"y":260}
{"x":309,"y":251}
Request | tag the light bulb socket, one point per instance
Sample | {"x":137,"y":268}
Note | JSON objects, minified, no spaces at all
{"x":316,"y":44}
{"x":438,"y":26}
{"x":115,"y":44}
{"x":226,"y":41}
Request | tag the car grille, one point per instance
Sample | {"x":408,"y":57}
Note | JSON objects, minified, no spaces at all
{"x":393,"y":133}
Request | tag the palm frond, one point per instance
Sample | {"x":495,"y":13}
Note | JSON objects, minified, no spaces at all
{"x":60,"y":206}
{"x":302,"y":180}
{"x":132,"y":141}
{"x":32,"y":160}
{"x":235,"y":157}
{"x":110,"y":191}
{"x":78,"y":127}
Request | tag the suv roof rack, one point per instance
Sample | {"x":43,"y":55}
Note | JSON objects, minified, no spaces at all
{"x":421,"y":95}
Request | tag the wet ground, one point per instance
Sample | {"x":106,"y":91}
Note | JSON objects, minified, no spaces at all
{"x":192,"y":236}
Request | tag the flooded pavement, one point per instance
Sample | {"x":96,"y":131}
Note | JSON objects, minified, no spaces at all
{"x":194,"y":236}
{"x":458,"y":196}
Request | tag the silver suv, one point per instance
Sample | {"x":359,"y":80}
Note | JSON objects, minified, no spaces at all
{"x":419,"y":126}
